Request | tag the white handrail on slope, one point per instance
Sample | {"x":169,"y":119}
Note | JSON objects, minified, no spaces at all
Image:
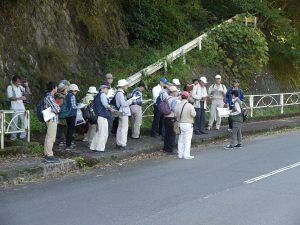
{"x":163,"y":63}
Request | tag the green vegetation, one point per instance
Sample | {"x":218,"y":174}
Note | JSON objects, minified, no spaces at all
{"x":80,"y":161}
{"x":37,"y":149}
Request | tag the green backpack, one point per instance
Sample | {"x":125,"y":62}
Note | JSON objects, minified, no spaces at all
{"x":65,"y":110}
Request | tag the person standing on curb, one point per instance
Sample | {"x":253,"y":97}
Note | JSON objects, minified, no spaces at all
{"x":123,"y":107}
{"x":228,"y":99}
{"x":157,"y":123}
{"x":61,"y":134}
{"x":15,"y":94}
{"x":103,"y":109}
{"x":236,"y":117}
{"x":199,"y":95}
{"x":71,"y":107}
{"x":91,"y":128}
{"x":136,"y":110}
{"x":185,"y":114}
{"x":49,"y":101}
{"x":170,"y":136}
{"x":217,"y":92}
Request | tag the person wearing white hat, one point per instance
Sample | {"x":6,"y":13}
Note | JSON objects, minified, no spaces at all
{"x":122,"y":105}
{"x":176,"y":83}
{"x":199,"y":95}
{"x":217,"y":92}
{"x":91,"y":128}
{"x":169,"y":120}
{"x":69,"y":111}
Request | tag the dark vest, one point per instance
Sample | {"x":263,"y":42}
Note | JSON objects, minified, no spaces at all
{"x":73,"y":112}
{"x":100,"y":109}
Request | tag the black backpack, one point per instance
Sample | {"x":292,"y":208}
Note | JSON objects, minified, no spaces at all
{"x":244,"y":112}
{"x":89,"y":113}
{"x":113,"y":102}
{"x":39,"y":110}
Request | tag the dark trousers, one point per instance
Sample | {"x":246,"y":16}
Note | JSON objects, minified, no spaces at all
{"x":113,"y":125}
{"x":157,"y":123}
{"x":169,"y":140}
{"x":70,"y":130}
{"x":61,"y":132}
{"x":229,"y":123}
{"x":199,"y":124}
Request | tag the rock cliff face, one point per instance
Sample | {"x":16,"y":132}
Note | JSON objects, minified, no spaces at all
{"x":57,"y":38}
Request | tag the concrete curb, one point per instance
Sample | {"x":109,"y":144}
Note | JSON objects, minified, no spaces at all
{"x":144,"y":145}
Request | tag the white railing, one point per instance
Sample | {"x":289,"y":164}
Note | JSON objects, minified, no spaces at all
{"x":254,"y":102}
{"x":10,"y":123}
{"x":180,"y":52}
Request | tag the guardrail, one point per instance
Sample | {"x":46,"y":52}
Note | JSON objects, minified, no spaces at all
{"x":254,"y":102}
{"x":180,"y":52}
{"x":10,"y":125}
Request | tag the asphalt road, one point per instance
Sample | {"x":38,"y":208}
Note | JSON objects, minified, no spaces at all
{"x":216,"y":188}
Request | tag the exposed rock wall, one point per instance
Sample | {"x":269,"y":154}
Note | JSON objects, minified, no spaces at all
{"x":57,"y":38}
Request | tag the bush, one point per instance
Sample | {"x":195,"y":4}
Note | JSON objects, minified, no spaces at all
{"x":36,"y":126}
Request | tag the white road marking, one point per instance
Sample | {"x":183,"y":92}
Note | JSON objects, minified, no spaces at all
{"x":271,"y":173}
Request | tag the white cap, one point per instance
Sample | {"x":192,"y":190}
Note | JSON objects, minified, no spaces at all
{"x":203,"y":79}
{"x":218,"y":76}
{"x":122,"y":83}
{"x":176,"y":82}
{"x":92,"y":90}
{"x":173,"y":88}
{"x":73,"y":87}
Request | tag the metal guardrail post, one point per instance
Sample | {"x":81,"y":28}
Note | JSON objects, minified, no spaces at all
{"x":251,"y":103}
{"x":2,"y":129}
{"x":200,"y":44}
{"x":281,"y":102}
{"x":28,"y":125}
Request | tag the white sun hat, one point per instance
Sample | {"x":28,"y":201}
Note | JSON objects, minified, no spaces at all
{"x":92,"y":90}
{"x":173,"y":88}
{"x":218,"y":76}
{"x":73,"y":87}
{"x":203,"y":79}
{"x":176,"y":82}
{"x":122,"y":83}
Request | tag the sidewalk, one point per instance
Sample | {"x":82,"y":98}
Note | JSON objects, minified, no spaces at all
{"x":26,"y":167}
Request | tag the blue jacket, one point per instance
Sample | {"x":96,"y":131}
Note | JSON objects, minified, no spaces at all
{"x":228,"y":98}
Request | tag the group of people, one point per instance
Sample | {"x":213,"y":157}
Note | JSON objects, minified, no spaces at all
{"x":174,"y":109}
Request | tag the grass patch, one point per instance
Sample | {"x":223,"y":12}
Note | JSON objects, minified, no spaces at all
{"x":37,"y":150}
{"x":80,"y":161}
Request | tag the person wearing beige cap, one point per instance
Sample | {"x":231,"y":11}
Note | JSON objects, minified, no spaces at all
{"x":217,"y":92}
{"x":62,"y":91}
{"x":122,"y":105}
{"x":169,"y":120}
{"x":199,"y":95}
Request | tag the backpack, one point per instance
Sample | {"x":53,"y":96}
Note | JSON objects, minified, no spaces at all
{"x":39,"y":110}
{"x":90,"y":114}
{"x":65,"y":111}
{"x":113,"y":102}
{"x":164,"y":106}
{"x":244,"y":112}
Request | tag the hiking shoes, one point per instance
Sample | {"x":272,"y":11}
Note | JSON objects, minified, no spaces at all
{"x":51,"y":159}
{"x":228,"y":147}
{"x":238,"y":146}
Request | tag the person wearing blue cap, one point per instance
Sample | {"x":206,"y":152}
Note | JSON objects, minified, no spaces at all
{"x":157,"y":123}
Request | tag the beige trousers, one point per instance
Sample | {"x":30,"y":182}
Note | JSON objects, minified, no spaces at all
{"x":136,"y":115}
{"x":50,"y":138}
{"x":214,"y":115}
{"x":100,"y":138}
{"x":122,"y":131}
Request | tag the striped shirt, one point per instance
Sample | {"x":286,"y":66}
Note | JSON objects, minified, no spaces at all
{"x":50,"y":102}
{"x":137,"y":93}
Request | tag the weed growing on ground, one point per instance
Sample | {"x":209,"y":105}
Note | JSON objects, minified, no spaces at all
{"x":80,"y":161}
{"x":37,"y":149}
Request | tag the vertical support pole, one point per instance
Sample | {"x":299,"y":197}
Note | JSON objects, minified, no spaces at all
{"x":200,"y":44}
{"x":183,"y":56}
{"x":28,"y":125}
{"x":2,"y":130}
{"x":166,"y":66}
{"x":251,"y":103}
{"x":281,"y":103}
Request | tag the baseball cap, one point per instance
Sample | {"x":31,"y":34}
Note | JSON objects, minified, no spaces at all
{"x":236,"y":81}
{"x":185,"y":94}
{"x":109,"y":76}
{"x":102,"y":86}
{"x":176,"y":82}
{"x":203,"y":79}
{"x":218,"y":76}
{"x":173,"y":88}
{"x":163,"y":79}
{"x":74,"y":87}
